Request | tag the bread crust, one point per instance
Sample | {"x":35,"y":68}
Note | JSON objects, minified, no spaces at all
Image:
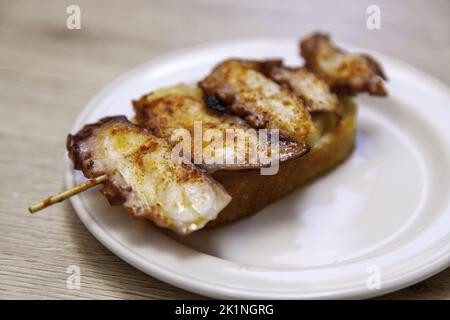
{"x":251,"y":191}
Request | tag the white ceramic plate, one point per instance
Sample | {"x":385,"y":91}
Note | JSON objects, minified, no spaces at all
{"x":385,"y":211}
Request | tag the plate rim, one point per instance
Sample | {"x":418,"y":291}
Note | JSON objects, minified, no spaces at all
{"x":418,"y":274}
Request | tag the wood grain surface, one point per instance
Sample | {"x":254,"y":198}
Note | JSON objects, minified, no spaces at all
{"x":48,"y":73}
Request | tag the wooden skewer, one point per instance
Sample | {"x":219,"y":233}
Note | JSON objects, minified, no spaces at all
{"x":67,"y":193}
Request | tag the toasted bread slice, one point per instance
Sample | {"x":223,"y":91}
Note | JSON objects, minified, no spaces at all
{"x":178,"y":106}
{"x":251,"y":191}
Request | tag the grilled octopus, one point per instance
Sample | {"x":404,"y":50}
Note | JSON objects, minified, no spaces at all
{"x":263,"y":103}
{"x":144,"y":177}
{"x":346,"y":73}
{"x":167,"y":110}
{"x":308,"y":86}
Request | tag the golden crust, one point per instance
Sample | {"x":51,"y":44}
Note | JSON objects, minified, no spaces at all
{"x":169,"y":109}
{"x":346,"y":73}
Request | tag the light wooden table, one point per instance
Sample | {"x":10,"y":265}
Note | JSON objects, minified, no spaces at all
{"x":48,"y":73}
